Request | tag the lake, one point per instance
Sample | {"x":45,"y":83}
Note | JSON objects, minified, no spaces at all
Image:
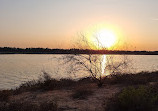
{"x":20,"y":68}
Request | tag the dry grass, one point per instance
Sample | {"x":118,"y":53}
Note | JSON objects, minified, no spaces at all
{"x":49,"y":83}
{"x":132,"y":79}
{"x":28,"y":106}
{"x":71,"y":95}
{"x":5,"y":94}
{"x":82,"y":92}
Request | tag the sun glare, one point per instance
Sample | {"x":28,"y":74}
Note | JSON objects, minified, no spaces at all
{"x":105,"y":38}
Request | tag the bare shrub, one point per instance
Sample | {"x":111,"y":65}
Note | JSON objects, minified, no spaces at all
{"x":93,"y":64}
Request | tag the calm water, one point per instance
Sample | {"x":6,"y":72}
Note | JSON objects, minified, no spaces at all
{"x":17,"y":69}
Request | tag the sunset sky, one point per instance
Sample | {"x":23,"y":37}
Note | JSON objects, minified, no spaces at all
{"x":55,"y":23}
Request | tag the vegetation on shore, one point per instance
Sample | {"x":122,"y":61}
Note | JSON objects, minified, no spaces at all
{"x":140,"y":92}
{"x":13,"y":50}
{"x":140,"y":98}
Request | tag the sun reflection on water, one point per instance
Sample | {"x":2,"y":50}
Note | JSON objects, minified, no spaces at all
{"x":103,"y":64}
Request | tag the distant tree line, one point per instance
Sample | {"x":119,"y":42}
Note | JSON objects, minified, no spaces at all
{"x":13,"y":50}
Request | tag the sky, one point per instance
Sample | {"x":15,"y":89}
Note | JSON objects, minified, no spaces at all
{"x":56,"y":23}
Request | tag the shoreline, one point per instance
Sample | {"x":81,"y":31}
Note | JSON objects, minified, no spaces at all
{"x":70,"y":95}
{"x":70,"y":53}
{"x":12,"y":50}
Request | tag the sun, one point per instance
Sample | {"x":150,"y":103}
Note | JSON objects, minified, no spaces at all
{"x":105,"y":38}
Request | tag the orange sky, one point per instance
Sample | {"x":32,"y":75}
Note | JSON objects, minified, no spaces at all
{"x":55,"y":24}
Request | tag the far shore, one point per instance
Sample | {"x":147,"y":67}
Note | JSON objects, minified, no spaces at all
{"x":11,"y":50}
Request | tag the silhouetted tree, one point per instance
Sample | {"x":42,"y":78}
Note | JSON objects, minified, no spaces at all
{"x":94,"y":64}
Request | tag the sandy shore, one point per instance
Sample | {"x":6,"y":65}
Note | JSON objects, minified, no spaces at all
{"x":70,"y":95}
{"x":65,"y":101}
